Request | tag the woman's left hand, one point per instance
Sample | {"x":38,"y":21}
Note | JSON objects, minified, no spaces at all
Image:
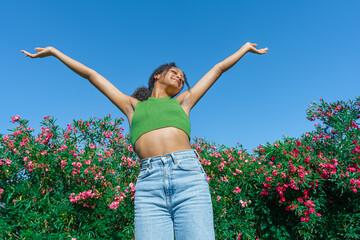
{"x":251,"y":48}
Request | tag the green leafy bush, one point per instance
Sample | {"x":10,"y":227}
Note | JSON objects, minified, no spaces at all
{"x":79,"y":182}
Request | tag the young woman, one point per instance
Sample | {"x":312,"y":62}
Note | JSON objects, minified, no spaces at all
{"x":172,"y":195}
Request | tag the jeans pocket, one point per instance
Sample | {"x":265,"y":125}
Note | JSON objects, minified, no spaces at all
{"x":190,"y":164}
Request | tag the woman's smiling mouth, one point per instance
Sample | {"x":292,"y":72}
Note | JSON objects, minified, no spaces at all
{"x":176,"y":80}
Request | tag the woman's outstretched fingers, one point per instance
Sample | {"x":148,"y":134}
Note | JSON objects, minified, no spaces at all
{"x":42,"y":52}
{"x":29,"y":54}
{"x":26,"y":53}
{"x":263,"y":50}
{"x":252,"y":49}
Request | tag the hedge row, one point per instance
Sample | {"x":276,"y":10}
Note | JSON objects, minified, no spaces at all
{"x":79,"y":182}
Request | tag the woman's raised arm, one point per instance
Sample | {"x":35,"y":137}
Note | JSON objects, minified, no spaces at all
{"x":192,"y":96}
{"x":74,"y":65}
{"x":121,"y":100}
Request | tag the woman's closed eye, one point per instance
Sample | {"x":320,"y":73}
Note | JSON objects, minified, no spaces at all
{"x":177,"y":74}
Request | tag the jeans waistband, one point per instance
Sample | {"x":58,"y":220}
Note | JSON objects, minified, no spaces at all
{"x":174,"y":156}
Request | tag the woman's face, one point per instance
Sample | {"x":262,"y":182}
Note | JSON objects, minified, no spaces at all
{"x":174,"y":80}
{"x":177,"y":76}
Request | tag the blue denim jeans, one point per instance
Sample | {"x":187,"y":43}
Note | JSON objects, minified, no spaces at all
{"x":172,"y":197}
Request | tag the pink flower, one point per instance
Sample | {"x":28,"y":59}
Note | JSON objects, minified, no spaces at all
{"x":130,"y":148}
{"x":243,"y":203}
{"x":63,"y":147}
{"x":218,"y":198}
{"x":304,"y":219}
{"x":15,"y":118}
{"x":8,"y":162}
{"x":309,"y":204}
{"x":237,"y":190}
{"x":224,"y":179}
{"x":114,"y":205}
{"x":268,"y":179}
{"x":264,"y":192}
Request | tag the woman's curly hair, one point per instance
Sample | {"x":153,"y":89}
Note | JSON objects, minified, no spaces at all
{"x":143,"y":93}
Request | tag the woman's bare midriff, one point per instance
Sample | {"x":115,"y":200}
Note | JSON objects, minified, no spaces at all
{"x":161,"y":141}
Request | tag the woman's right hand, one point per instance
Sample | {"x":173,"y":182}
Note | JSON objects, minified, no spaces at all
{"x":251,"y":48}
{"x":42,"y":52}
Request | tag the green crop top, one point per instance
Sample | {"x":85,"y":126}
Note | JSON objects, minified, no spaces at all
{"x":155,"y":113}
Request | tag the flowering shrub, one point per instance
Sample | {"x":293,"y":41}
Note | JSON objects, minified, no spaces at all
{"x":79,"y":183}
{"x":304,"y":188}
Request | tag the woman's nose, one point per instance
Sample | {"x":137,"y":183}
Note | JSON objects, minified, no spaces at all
{"x":179,"y":77}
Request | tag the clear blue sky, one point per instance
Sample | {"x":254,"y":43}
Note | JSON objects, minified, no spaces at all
{"x":313,"y":53}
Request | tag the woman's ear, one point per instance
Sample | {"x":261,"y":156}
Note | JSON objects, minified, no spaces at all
{"x":157,"y":77}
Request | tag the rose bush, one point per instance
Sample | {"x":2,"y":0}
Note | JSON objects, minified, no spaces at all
{"x":79,"y":182}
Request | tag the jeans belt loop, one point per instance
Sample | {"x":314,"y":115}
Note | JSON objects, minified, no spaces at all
{"x":148,"y":164}
{"x":197,"y":154}
{"x":174,"y":158}
{"x":163,"y":159}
